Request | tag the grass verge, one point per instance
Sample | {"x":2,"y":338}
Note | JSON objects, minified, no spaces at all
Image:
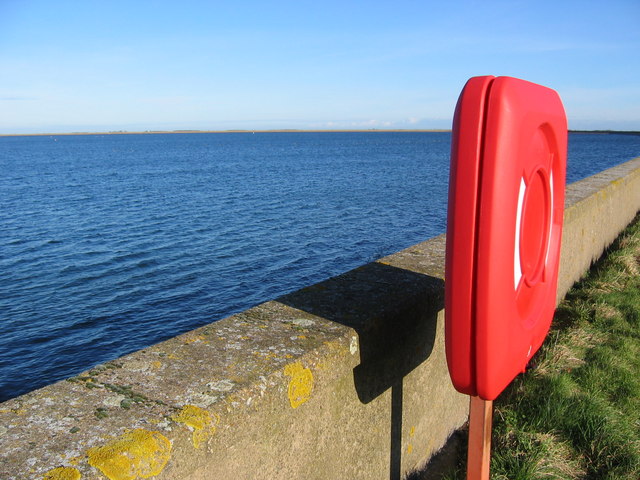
{"x":575,"y":414}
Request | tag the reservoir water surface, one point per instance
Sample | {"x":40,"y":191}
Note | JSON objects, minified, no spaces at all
{"x":110,"y":243}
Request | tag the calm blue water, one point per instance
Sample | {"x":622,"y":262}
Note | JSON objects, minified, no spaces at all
{"x":110,"y":243}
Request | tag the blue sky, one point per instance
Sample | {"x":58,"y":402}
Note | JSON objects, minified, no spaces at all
{"x":158,"y":65}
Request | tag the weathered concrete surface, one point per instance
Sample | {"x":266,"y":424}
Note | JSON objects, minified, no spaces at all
{"x":596,"y":210}
{"x":343,"y":379}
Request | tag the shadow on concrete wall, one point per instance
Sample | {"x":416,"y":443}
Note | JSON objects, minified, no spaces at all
{"x":394,"y":312}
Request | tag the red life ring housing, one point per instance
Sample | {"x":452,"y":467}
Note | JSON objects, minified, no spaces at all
{"x":504,"y":226}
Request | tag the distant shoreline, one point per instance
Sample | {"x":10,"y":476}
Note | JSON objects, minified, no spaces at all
{"x":282,"y":130}
{"x":605,"y":132}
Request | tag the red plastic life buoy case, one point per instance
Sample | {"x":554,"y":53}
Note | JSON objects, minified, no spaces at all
{"x":504,"y":226}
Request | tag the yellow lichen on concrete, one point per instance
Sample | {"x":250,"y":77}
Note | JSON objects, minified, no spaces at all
{"x":138,"y":453}
{"x":412,"y":432}
{"x":202,"y":422}
{"x":16,"y":411}
{"x":62,"y":473}
{"x":300,"y":385}
{"x":194,"y":338}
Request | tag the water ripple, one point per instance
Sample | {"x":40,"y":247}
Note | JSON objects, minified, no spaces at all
{"x":112,"y":243}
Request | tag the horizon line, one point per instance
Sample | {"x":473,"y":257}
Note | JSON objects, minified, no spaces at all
{"x":280,"y":130}
{"x":270,"y":130}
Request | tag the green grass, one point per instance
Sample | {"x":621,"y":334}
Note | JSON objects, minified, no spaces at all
{"x":575,"y":414}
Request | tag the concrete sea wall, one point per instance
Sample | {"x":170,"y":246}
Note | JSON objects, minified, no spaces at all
{"x":343,"y":379}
